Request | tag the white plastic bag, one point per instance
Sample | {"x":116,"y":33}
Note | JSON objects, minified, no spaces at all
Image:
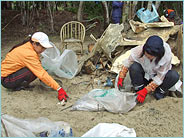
{"x":111,"y":100}
{"x":31,"y":128}
{"x":64,"y":65}
{"x":110,"y":130}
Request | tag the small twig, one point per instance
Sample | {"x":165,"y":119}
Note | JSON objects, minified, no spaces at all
{"x":10,"y":21}
{"x":90,"y":19}
{"x":66,"y":108}
{"x":91,"y":26}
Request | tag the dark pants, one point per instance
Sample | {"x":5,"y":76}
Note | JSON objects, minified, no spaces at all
{"x":137,"y":77}
{"x":116,"y":20}
{"x":18,"y":79}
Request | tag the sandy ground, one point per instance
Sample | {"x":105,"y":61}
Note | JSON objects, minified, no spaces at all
{"x":163,"y":118}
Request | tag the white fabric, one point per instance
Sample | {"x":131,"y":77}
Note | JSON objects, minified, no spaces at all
{"x":110,"y":130}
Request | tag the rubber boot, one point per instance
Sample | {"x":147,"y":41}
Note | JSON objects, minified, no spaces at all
{"x":159,"y":94}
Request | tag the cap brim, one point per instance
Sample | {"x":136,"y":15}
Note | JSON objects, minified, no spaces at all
{"x":47,"y":45}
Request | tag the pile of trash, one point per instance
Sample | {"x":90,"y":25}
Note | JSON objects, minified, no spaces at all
{"x":40,"y":127}
{"x":43,"y":127}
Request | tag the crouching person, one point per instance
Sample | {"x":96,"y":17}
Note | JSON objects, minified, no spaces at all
{"x":22,"y":65}
{"x":149,"y":67}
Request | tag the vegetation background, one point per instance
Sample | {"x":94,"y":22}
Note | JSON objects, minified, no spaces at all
{"x":23,"y":17}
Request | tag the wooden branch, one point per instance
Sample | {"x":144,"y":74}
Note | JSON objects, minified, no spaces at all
{"x":10,"y":21}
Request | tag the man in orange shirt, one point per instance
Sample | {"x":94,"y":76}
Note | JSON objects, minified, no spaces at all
{"x":22,"y":65}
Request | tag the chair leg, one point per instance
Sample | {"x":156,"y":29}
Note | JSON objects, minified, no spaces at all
{"x":65,"y":45}
{"x":81,"y":48}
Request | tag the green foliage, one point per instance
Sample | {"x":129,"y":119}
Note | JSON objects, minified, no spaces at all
{"x":60,"y":8}
{"x":92,"y":10}
{"x":72,"y":9}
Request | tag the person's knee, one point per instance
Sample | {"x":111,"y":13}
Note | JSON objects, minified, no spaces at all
{"x":135,"y":66}
{"x":172,"y":74}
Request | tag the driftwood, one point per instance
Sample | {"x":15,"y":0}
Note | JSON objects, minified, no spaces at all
{"x":112,"y":38}
{"x":88,"y":56}
{"x":139,"y":27}
{"x":132,"y":39}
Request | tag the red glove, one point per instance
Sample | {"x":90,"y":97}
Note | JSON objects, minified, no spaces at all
{"x":62,"y":95}
{"x":141,"y":95}
{"x":120,"y":83}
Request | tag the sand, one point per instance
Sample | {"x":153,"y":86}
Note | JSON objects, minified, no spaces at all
{"x":163,"y":118}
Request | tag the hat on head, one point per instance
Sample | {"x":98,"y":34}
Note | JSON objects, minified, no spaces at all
{"x":172,"y":15}
{"x":42,"y":38}
{"x":154,"y":46}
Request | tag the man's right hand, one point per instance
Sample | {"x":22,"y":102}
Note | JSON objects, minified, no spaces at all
{"x":120,"y":83}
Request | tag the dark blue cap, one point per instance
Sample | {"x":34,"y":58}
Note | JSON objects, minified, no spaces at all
{"x":154,"y":46}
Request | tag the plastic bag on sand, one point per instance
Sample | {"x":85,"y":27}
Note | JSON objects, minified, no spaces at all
{"x":110,"y":130}
{"x":111,"y":100}
{"x":63,"y":66}
{"x":14,"y":127}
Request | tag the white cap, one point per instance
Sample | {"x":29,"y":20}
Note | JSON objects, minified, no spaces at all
{"x":42,"y":38}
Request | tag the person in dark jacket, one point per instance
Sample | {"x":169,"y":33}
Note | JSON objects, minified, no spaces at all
{"x":117,"y":11}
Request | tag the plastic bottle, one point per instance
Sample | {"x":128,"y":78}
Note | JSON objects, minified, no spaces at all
{"x":61,"y":133}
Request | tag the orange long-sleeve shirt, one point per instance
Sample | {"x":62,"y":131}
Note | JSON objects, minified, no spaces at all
{"x":25,"y":56}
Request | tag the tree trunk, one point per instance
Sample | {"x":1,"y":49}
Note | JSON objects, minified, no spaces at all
{"x":51,"y":16}
{"x":9,"y":5}
{"x":106,"y":14}
{"x":130,"y":11}
{"x":79,"y":13}
{"x":133,"y":7}
{"x":157,"y":4}
{"x":23,"y":13}
{"x":149,"y":5}
{"x":65,"y":4}
{"x":125,"y":11}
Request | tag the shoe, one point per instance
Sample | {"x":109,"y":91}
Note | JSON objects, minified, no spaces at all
{"x":19,"y":88}
{"x":158,"y":95}
{"x":29,"y":88}
{"x":179,"y":94}
{"x":176,"y":94}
